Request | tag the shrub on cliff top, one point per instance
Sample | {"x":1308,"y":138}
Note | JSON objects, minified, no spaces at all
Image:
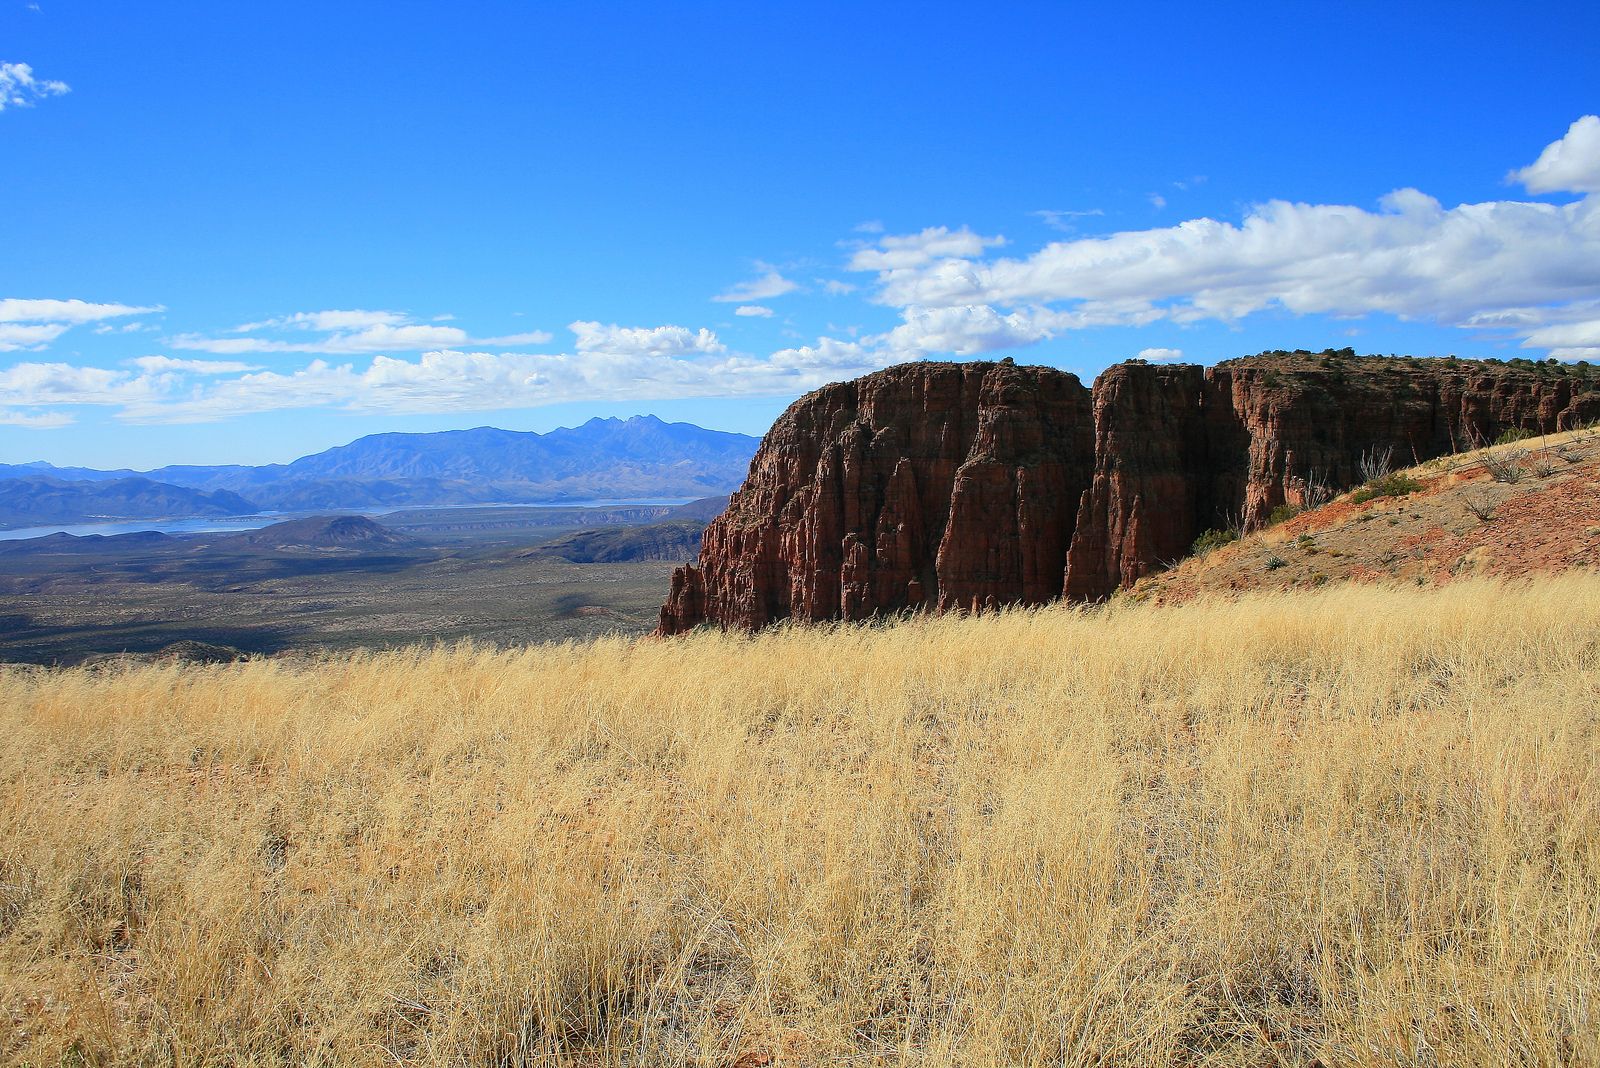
{"x":1395,"y":485}
{"x":1213,"y":539}
{"x":1515,"y":433}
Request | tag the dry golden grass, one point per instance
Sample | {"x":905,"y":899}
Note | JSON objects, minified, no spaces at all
{"x":1355,"y":826}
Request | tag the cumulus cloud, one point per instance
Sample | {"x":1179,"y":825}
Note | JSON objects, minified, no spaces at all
{"x":644,"y":341}
{"x":966,"y":330}
{"x":36,"y":384}
{"x":1578,"y":340}
{"x":36,"y":420}
{"x":330,"y":321}
{"x":20,"y":89}
{"x":770,"y":284}
{"x":631,"y":368}
{"x":1412,"y":258}
{"x":15,"y":336}
{"x":1160,"y":355}
{"x":33,"y":324}
{"x":1570,"y":165}
{"x":1496,"y":265}
{"x":157,"y":364}
{"x":72,"y":312}
{"x":345,"y":333}
{"x":936,"y":244}
{"x":757,"y":311}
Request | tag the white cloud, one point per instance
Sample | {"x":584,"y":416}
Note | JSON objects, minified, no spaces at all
{"x":1157,"y":201}
{"x":1413,"y":258}
{"x":770,"y":284}
{"x":644,"y":341}
{"x":328,"y":321}
{"x":966,"y":330}
{"x":1511,"y":265}
{"x":20,"y":89}
{"x":1570,"y":165}
{"x":757,"y":311}
{"x":832,"y":359}
{"x":158,"y":364}
{"x":1578,"y":340}
{"x":369,"y":338}
{"x":15,"y":336}
{"x":34,"y":384}
{"x":871,"y":226}
{"x":32,"y":324}
{"x":36,"y":420}
{"x":835,"y":288}
{"x":1062,"y":220}
{"x":610,"y":364}
{"x":1160,"y":355}
{"x":18,"y":310}
{"x":912,"y":251}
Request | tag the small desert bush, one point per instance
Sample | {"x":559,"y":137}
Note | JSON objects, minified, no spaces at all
{"x":1513,"y":434}
{"x":1397,"y":484}
{"x":1283,"y":513}
{"x":1507,"y":465}
{"x":1214,"y":538}
{"x":1353,"y":826}
{"x":1376,"y":463}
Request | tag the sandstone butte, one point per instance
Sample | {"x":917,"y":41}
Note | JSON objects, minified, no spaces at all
{"x":967,"y":486}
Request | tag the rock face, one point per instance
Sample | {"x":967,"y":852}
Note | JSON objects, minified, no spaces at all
{"x":939,"y":486}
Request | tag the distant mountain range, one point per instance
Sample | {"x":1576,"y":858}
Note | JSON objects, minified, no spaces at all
{"x":641,"y":457}
{"x":36,"y":500}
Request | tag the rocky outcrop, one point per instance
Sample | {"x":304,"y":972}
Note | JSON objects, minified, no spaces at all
{"x":925,"y":486}
{"x":940,"y":486}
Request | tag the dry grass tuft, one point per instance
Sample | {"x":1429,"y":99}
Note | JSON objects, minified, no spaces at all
{"x":1356,"y":826}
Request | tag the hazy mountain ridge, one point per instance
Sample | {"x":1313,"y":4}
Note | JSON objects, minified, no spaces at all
{"x":42,"y":499}
{"x":640,"y":457}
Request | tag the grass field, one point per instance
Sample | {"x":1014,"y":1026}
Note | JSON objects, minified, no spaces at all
{"x":1353,"y":826}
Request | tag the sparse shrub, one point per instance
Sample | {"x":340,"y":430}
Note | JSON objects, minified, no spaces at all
{"x":1275,"y":562}
{"x":1213,"y":539}
{"x":1480,"y":506}
{"x":1543,"y":464}
{"x":1282,"y":514}
{"x":1375,"y":463}
{"x":1506,"y":466}
{"x":1394,"y":485}
{"x":1513,"y":434}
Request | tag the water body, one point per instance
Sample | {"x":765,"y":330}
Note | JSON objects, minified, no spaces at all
{"x":238,"y":523}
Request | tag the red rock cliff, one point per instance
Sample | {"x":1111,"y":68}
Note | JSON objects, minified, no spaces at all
{"x":933,"y":486}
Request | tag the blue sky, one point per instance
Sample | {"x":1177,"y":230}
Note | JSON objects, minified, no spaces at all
{"x":240,"y":232}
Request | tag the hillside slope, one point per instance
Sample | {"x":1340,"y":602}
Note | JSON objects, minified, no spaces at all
{"x":1352,"y":826}
{"x":675,"y":540}
{"x":1524,"y":507}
